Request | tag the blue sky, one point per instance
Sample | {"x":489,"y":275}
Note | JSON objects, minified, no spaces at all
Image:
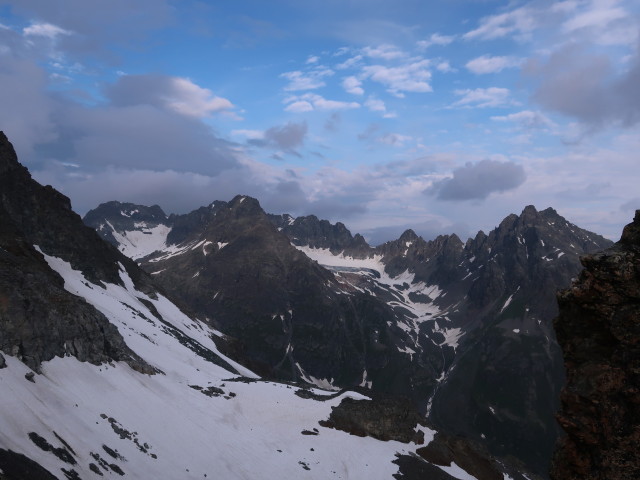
{"x":441,"y":116}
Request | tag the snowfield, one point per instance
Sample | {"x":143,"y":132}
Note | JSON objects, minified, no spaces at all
{"x":193,"y":420}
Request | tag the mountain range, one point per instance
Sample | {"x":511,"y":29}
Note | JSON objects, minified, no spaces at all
{"x":462,"y":329}
{"x":231,"y":343}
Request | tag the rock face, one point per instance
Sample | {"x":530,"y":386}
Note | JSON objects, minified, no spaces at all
{"x":39,"y":319}
{"x":599,"y":331}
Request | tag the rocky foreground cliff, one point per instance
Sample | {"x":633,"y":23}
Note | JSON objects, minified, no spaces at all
{"x":599,"y":331}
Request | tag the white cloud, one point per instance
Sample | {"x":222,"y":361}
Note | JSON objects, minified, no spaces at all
{"x":489,"y":64}
{"x":192,"y":100}
{"x":436,"y":39}
{"x":312,"y":59}
{"x":412,"y":77}
{"x":44,"y":30}
{"x":600,"y":15}
{"x":385,"y":52}
{"x":604,"y":21}
{"x":526,"y":118}
{"x":377,"y":105}
{"x":353,"y":85}
{"x":306,"y":80}
{"x":520,"y":21}
{"x":176,"y":94}
{"x":445,"y":67}
{"x":312,"y":101}
{"x":350,"y":62}
{"x":299,"y":106}
{"x":483,"y":97}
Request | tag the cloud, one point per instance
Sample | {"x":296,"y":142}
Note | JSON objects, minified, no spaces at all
{"x":385,"y":52}
{"x":394,"y":139}
{"x":478,"y":181}
{"x":306,"y":80}
{"x":27,"y":113}
{"x":286,"y":137}
{"x":44,"y":30}
{"x":526,"y":118}
{"x":177,"y":94}
{"x":350,"y":63}
{"x":299,"y":106}
{"x":489,"y":64}
{"x":46,"y":126}
{"x":436,"y":39}
{"x":521,"y":21}
{"x":97,"y":25}
{"x":373,"y":133}
{"x":631,"y":205}
{"x":604,"y":22}
{"x":483,"y":97}
{"x":445,"y":67}
{"x":311,"y":59}
{"x":352,"y":85}
{"x":375,"y":105}
{"x":250,"y":134}
{"x":590,"y":192}
{"x":586,"y":86}
{"x":312,"y":101}
{"x":411,"y":77}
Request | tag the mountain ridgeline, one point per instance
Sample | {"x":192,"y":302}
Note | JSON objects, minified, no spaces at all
{"x":462,"y":329}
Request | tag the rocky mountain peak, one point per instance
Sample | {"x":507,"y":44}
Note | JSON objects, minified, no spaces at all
{"x":8,"y":157}
{"x":408,"y":236}
{"x":245,"y":205}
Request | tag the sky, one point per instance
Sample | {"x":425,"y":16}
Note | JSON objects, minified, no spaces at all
{"x":442,"y":116}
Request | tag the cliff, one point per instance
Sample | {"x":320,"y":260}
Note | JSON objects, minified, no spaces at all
{"x":598,"y":329}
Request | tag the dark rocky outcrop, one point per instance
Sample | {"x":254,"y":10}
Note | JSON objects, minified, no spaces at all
{"x":15,"y":466}
{"x":472,"y":458}
{"x":39,"y":319}
{"x":598,"y":329}
{"x":382,"y":418}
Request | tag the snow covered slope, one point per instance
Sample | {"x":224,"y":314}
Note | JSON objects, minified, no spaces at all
{"x":192,"y":419}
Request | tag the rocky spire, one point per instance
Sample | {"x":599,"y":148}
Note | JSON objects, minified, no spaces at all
{"x":8,"y":157}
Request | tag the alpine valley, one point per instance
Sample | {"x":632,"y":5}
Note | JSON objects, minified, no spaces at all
{"x":231,"y":343}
